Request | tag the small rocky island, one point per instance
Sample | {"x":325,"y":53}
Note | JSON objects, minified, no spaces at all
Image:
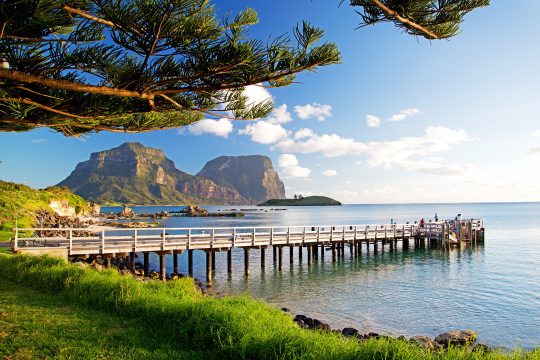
{"x":299,"y":200}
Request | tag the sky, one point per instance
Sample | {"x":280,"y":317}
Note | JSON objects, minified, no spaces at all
{"x":400,"y":120}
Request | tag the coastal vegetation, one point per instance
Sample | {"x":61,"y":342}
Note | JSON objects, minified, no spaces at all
{"x":302,"y":201}
{"x":19,"y":204}
{"x":160,"y":319}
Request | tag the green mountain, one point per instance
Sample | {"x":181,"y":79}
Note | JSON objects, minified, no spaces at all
{"x":253,"y":176}
{"x":307,"y":201}
{"x":135,"y":174}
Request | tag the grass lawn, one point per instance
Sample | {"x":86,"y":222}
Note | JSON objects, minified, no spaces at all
{"x":36,"y":324}
{"x":52,"y":309}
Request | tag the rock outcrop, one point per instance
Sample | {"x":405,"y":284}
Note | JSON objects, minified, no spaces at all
{"x":253,"y":176}
{"x":135,"y":174}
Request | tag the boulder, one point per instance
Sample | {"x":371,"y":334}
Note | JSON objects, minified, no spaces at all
{"x":349,"y":331}
{"x":425,"y":342}
{"x":482,"y":348}
{"x":127,"y":212}
{"x":456,"y":337}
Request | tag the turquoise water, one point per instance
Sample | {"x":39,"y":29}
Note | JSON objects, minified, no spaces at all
{"x":493,"y":289}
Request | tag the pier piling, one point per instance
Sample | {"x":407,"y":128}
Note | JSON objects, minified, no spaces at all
{"x":190,"y":262}
{"x":229,"y":261}
{"x":146,"y":263}
{"x":132,"y":261}
{"x":246,"y":261}
{"x":162,"y":273}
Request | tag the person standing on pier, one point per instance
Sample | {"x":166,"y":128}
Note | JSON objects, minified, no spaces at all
{"x":422,"y":222}
{"x":436,"y":217}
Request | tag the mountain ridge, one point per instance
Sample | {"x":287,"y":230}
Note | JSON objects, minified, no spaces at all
{"x":135,"y":174}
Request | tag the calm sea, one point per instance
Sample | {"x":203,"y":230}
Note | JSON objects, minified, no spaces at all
{"x":493,"y":289}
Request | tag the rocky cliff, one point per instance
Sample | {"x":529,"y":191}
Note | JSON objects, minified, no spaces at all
{"x":253,"y":176}
{"x":135,"y":174}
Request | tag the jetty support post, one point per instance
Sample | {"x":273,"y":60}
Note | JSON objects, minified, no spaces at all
{"x":309,"y":255}
{"x":322,"y":252}
{"x":108,"y":261}
{"x":375,"y":246}
{"x":300,"y":253}
{"x":190,"y":262}
{"x":274,"y":253}
{"x":291,"y":254}
{"x":208,"y":267}
{"x":263,"y":256}
{"x":162,"y":272}
{"x":146,"y":263}
{"x":229,"y":261}
{"x":132,"y":261}
{"x":280,"y":257}
{"x":333,"y":252}
{"x":175,"y":262}
{"x":213,"y":253}
{"x":246,"y":261}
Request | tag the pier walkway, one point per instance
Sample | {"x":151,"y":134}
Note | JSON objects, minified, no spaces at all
{"x":86,"y":242}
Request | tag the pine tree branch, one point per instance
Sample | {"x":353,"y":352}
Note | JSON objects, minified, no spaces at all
{"x":44,"y":107}
{"x":393,"y":14}
{"x":88,"y":16}
{"x":22,"y":77}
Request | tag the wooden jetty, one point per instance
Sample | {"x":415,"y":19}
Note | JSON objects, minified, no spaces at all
{"x":75,"y":242}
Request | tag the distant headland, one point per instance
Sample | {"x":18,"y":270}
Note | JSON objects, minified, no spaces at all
{"x":302,"y":201}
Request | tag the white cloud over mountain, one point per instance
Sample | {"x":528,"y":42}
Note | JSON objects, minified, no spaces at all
{"x":263,"y":132}
{"x":290,"y":167}
{"x":313,"y":110}
{"x":409,"y":153}
{"x":221,"y":127}
{"x":373,"y":121}
{"x":403,"y":114}
{"x":329,"y":173}
{"x":280,"y":115}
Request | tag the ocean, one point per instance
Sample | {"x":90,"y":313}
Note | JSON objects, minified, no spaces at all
{"x":492,"y":288}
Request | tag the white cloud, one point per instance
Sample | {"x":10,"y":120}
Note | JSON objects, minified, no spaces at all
{"x":263,"y":132}
{"x":534,"y":151}
{"x":290,"y":167}
{"x":257,"y":94}
{"x":280,"y":115}
{"x":38,"y":141}
{"x":329,"y":173}
{"x":314,"y":110}
{"x":373,"y":121}
{"x":221,"y":127}
{"x":329,"y":145}
{"x":403,"y":114}
{"x":412,"y":153}
{"x":409,"y":153}
{"x":303,"y":133}
{"x":536,"y":133}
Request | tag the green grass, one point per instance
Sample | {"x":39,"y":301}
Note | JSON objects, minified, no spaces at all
{"x":19,"y":202}
{"x":188,"y":322}
{"x":37,"y":324}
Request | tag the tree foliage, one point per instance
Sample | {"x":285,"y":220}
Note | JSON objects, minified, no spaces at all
{"x":138,"y":65}
{"x":432,"y":19}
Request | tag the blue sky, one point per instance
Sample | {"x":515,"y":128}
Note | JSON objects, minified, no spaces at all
{"x":451,"y":121}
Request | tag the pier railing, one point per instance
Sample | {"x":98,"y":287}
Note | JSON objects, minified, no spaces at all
{"x":88,"y":241}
